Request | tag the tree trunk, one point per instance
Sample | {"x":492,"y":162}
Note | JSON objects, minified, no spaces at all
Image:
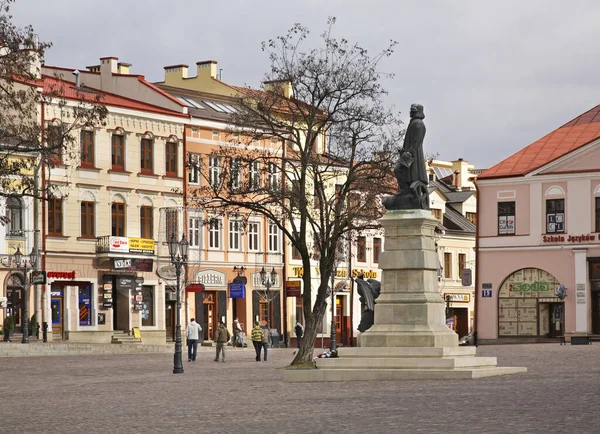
{"x":304,"y":356}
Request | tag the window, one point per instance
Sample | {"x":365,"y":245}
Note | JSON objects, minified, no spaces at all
{"x":148,"y":302}
{"x":55,"y":216}
{"x":214,"y":171}
{"x":85,"y":305}
{"x":376,"y":250}
{"x":437,"y":213}
{"x":236,"y":174}
{"x":273,"y":238}
{"x":462,"y":261}
{"x":194,"y":169}
{"x":195,"y":234}
{"x":146,"y":156}
{"x":273,"y":176}
{"x":361,"y":249}
{"x":263,"y":309}
{"x":216,"y":135}
{"x":555,"y":216}
{"x":214,"y":234}
{"x":171,"y":158}
{"x":88,"y":219}
{"x":87,"y":148}
{"x":14,"y":216}
{"x":295,"y":253}
{"x":316,"y":197}
{"x":506,"y":218}
{"x":447,"y":265}
{"x":253,"y":244}
{"x":172,"y":228}
{"x":118,"y":219}
{"x":118,"y":152}
{"x":146,"y":222}
{"x":54,"y":141}
{"x":472,"y":217}
{"x":234,"y":234}
{"x":598,"y":214}
{"x":254,"y":175}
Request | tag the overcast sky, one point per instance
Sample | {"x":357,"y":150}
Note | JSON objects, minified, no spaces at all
{"x":493,"y":76}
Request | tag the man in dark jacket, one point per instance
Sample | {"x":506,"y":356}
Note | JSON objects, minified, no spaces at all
{"x":222,"y":336}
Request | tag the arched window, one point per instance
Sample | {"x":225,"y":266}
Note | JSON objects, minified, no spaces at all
{"x":14,"y":216}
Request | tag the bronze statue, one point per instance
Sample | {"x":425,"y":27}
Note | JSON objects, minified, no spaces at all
{"x":368,"y":290}
{"x":410,"y":170}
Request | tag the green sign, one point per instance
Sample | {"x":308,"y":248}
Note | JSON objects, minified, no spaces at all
{"x":530,"y":287}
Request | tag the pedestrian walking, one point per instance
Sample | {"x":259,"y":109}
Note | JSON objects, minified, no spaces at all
{"x":222,"y":336}
{"x":237,"y":333}
{"x":266,"y":340}
{"x":299,"y":329}
{"x":257,"y":337}
{"x":192,"y":336}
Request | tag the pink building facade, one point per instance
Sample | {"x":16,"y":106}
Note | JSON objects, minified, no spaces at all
{"x":538,"y":234}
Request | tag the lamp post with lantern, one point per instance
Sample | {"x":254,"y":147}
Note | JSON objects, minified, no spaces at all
{"x":21,"y":264}
{"x":178,"y":253}
{"x":268,"y":280}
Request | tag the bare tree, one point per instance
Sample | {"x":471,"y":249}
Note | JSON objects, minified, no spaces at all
{"x":28,"y":141}
{"x":317,"y":156}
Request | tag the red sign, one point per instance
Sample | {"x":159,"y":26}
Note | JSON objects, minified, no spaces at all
{"x":293,"y":288}
{"x":61,"y":275}
{"x":194,"y":287}
{"x":570,"y":238}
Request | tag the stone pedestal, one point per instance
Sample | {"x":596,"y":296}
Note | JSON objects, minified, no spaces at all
{"x":409,"y":339}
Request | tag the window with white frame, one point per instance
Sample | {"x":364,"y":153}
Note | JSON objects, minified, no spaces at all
{"x":214,"y":234}
{"x":253,"y":237}
{"x":236,"y":173}
{"x":273,"y":238}
{"x":195,"y":232}
{"x":214,"y":171}
{"x":274,"y":176}
{"x":234,"y":234}
{"x":254,"y":175}
{"x":194,"y":169}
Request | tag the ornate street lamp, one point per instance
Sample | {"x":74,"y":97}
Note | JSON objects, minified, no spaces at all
{"x":268,"y":280}
{"x":178,"y":252}
{"x":22,"y":265}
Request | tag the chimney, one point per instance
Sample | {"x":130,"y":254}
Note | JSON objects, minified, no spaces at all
{"x":123,"y":68}
{"x":77,"y":75}
{"x":175,"y":73}
{"x":206,"y":69}
{"x":281,"y":87}
{"x":35,"y":61}
{"x":461,"y":168}
{"x":108,"y":65}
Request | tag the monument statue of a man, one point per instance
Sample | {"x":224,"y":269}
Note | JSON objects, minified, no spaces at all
{"x":410,"y":170}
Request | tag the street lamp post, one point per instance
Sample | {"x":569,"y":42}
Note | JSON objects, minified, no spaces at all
{"x":332,"y":337}
{"x":268,"y":280}
{"x":22,"y":265}
{"x":178,"y":252}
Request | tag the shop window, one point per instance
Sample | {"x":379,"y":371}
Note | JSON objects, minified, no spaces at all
{"x":472,"y":217}
{"x":448,"y":265}
{"x":148,"y":302}
{"x":171,"y":158}
{"x":146,"y":155}
{"x":14,"y":217}
{"x":85,"y":305}
{"x":88,"y":219}
{"x":299,"y":311}
{"x":462,"y":261}
{"x":263,"y":308}
{"x":118,"y":219}
{"x":118,"y":152}
{"x":87,"y":148}
{"x":555,"y":216}
{"x":253,"y":238}
{"x":361,"y":249}
{"x":146,"y":222}
{"x":597,"y":214}
{"x":376,"y":249}
{"x":506,"y":218}
{"x":55,"y":216}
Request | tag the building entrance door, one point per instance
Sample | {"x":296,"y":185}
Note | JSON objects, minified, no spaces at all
{"x":556,"y":320}
{"x":596,"y":312}
{"x":56,"y":307}
{"x":210,"y":315}
{"x":170,"y":313}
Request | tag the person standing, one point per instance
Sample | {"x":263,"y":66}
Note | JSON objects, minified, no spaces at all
{"x":222,"y":336}
{"x":266,"y":339}
{"x":192,"y":335}
{"x":299,"y":329}
{"x":257,"y":337}
{"x":237,"y":333}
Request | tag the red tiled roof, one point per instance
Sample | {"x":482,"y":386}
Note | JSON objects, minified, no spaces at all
{"x":571,"y":136}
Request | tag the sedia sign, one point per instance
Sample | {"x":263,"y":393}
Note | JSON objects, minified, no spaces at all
{"x":341,"y":273}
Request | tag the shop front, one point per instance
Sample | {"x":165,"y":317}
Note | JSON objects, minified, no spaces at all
{"x":210,"y":300}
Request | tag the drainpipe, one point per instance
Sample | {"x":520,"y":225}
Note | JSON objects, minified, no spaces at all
{"x":44,"y":310}
{"x":477,"y":279}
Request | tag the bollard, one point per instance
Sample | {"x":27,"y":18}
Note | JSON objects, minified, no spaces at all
{"x":45,"y":331}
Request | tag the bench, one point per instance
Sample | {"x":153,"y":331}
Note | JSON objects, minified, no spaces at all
{"x":576,"y":339}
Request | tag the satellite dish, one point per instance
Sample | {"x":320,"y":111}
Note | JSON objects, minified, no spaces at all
{"x":561,"y":292}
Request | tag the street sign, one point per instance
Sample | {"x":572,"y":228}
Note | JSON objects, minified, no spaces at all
{"x":486,"y":293}
{"x":236,"y":290}
{"x":293,"y":288}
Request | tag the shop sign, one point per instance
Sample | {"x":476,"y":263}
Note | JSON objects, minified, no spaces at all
{"x":167,"y":272}
{"x":38,"y":277}
{"x":569,"y":239}
{"x":133,"y":264}
{"x":194,"y":287}
{"x":293,"y":288}
{"x":107,"y":304}
{"x":340,"y":273}
{"x":141,"y":245}
{"x":61,"y":275}
{"x":580,"y":293}
{"x":237,"y":290}
{"x":257,"y":281}
{"x":538,"y":286}
{"x":118,"y":244}
{"x":124,"y":283}
{"x":210,"y":278}
{"x":138,"y":306}
{"x":459,"y":298}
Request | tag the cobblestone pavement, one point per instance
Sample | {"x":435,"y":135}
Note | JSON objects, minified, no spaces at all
{"x":138,"y":393}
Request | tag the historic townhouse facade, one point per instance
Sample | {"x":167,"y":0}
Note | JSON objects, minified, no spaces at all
{"x":538,"y":238}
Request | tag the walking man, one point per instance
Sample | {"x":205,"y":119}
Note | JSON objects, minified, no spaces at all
{"x":222,"y":336}
{"x":257,"y":337}
{"x":192,"y":335}
{"x":237,"y":333}
{"x":299,"y":329}
{"x":266,"y":340}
